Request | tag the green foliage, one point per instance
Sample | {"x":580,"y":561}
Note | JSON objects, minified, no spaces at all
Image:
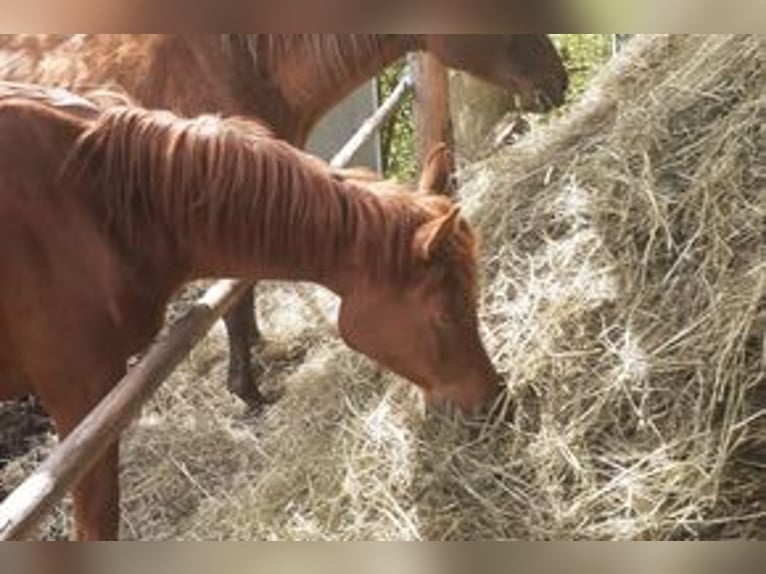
{"x":583,"y":55}
{"x":397,"y":136}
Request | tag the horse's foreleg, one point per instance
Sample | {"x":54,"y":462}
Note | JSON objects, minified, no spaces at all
{"x":96,"y":497}
{"x":242,"y":329}
{"x":97,"y":500}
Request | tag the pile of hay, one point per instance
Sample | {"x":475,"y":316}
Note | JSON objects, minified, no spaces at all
{"x":625,"y":296}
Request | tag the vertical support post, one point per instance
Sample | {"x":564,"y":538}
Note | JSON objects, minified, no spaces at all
{"x":433,"y":120}
{"x":477,"y":109}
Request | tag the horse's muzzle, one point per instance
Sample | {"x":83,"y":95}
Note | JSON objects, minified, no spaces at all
{"x":444,"y":406}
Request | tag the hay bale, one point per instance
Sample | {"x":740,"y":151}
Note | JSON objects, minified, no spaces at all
{"x":626,"y":298}
{"x":628,"y":291}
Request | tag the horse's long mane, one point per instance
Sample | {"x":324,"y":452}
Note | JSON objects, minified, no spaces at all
{"x":335,"y":58}
{"x":331,"y":51}
{"x":232,"y":184}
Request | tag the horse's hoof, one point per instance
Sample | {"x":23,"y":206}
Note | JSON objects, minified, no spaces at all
{"x":264,"y":401}
{"x":245,"y":388}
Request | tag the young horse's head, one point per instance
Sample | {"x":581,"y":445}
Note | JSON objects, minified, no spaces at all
{"x":225,"y":198}
{"x":424,"y":326}
{"x":528,"y":64}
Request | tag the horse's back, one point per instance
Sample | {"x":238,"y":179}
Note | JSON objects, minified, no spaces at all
{"x":43,"y":58}
{"x":68,"y":60}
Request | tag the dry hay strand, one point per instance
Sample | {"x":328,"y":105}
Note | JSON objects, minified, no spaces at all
{"x":624,"y":298}
{"x":627,"y":296}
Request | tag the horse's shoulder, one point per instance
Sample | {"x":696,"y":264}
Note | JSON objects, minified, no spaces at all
{"x":21,"y":115}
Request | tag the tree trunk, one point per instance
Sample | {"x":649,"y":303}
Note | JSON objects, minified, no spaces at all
{"x":477,"y":107}
{"x":433,"y":122}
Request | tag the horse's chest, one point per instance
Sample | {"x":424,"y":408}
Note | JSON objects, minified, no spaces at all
{"x":139,"y":309}
{"x":140,"y":321}
{"x":13,"y":384}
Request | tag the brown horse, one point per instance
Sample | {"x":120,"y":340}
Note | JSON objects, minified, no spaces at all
{"x":103,"y":216}
{"x":287,"y":80}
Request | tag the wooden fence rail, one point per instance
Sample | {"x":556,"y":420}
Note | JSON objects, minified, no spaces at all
{"x":23,"y":510}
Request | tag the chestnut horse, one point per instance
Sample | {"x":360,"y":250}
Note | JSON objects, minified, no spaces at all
{"x":104,"y":215}
{"x":287,"y":80}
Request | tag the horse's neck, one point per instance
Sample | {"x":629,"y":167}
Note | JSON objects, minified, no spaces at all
{"x":336,"y":241}
{"x":254,"y":75}
{"x":312,"y":79}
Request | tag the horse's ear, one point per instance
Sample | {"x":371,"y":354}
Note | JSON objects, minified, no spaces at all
{"x":437,"y":171}
{"x":430,"y":237}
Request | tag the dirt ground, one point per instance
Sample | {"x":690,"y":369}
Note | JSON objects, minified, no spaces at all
{"x":24,"y":428}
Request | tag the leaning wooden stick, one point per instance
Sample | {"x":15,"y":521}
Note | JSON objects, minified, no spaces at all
{"x":372,"y":125}
{"x":26,"y":507}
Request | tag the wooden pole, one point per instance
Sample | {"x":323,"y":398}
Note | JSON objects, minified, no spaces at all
{"x":477,"y":108}
{"x":433,"y":121}
{"x":23,"y":510}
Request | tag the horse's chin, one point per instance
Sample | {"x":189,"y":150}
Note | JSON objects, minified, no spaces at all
{"x":449,"y":409}
{"x":446,"y":406}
